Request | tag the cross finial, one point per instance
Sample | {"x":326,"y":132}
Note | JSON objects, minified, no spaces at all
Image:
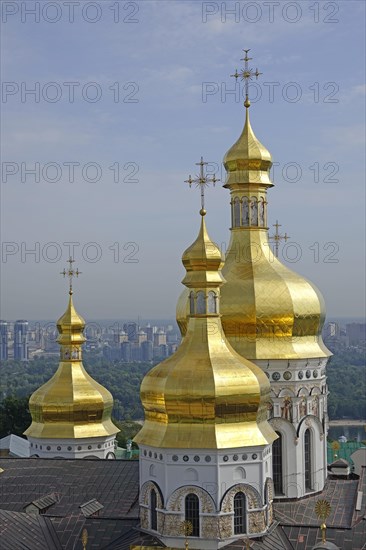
{"x":246,"y":74}
{"x":70,"y":273}
{"x":202,"y":180}
{"x":277,"y":237}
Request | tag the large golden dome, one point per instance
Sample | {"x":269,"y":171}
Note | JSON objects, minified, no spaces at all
{"x":206,"y":395}
{"x":268,"y":310}
{"x":71,"y":404}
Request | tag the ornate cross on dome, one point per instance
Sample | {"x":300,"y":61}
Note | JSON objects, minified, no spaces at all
{"x":277,"y":238}
{"x":70,"y":273}
{"x":246,"y":74}
{"x":202,"y":181}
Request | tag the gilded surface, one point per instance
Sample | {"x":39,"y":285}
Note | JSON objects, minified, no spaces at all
{"x":210,"y":527}
{"x":71,"y":404}
{"x":257,"y":522}
{"x":226,"y":527}
{"x":205,"y":395}
{"x":172,"y":525}
{"x":176,"y":501}
{"x":253,"y":497}
{"x":268,"y":311}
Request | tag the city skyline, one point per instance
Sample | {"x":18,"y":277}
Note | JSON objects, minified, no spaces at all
{"x":157,"y":115}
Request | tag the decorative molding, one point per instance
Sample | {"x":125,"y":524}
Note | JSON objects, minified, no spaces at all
{"x":253,"y":498}
{"x":176,"y":504}
{"x":145,"y":494}
{"x":257,"y":522}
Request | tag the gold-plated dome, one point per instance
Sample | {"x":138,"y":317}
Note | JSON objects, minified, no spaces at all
{"x":71,"y":404}
{"x":205,"y":395}
{"x":202,"y":260}
{"x":247,"y":159}
{"x":268,"y":310}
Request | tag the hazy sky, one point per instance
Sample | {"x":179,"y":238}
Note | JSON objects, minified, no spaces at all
{"x":137,"y":92}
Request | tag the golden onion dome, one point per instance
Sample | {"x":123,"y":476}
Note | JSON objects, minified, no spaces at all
{"x":247,"y":159}
{"x":205,"y":395}
{"x":268,"y":310}
{"x":202,"y":260}
{"x":71,"y":404}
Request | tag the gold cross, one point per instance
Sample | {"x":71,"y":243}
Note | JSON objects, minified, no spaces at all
{"x":202,"y":181}
{"x":246,"y":74}
{"x":277,"y":238}
{"x":70,"y":273}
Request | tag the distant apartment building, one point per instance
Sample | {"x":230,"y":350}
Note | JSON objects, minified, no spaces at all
{"x":147,"y":352}
{"x":3,"y":340}
{"x":21,"y":340}
{"x":131,"y":330}
{"x":159,"y":338}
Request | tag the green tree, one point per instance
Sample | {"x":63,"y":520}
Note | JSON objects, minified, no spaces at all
{"x":14,"y":416}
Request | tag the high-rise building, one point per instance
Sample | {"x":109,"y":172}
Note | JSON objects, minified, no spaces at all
{"x":71,"y":413}
{"x":131,"y":330}
{"x":159,"y":338}
{"x":3,"y":340}
{"x":141,"y":337}
{"x":21,"y":340}
{"x":147,"y":350}
{"x":126,"y":351}
{"x":149,"y":332}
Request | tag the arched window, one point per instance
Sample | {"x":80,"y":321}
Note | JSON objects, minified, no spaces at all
{"x":253,"y":211}
{"x":211,"y":302}
{"x":153,"y":512}
{"x":307,"y":460}
{"x":201,"y":303}
{"x":236,"y":221}
{"x":261,"y":216}
{"x":191,"y":303}
{"x":192,"y":513}
{"x":239,"y":513}
{"x":245,"y":211}
{"x":277,"y":465}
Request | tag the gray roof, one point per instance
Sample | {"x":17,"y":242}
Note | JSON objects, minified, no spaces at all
{"x":20,"y":531}
{"x":45,"y":502}
{"x":113,"y":483}
{"x":91,"y":507}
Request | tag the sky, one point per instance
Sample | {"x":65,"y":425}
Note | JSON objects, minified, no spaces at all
{"x":127,"y":96}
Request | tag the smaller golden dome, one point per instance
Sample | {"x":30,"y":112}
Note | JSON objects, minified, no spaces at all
{"x":247,"y":160}
{"x":202,"y":260}
{"x":71,"y":404}
{"x":205,"y":395}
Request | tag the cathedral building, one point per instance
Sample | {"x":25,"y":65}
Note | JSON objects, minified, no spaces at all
{"x":235,"y":424}
{"x":205,"y":446}
{"x":71,"y":413}
{"x":273,"y":317}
